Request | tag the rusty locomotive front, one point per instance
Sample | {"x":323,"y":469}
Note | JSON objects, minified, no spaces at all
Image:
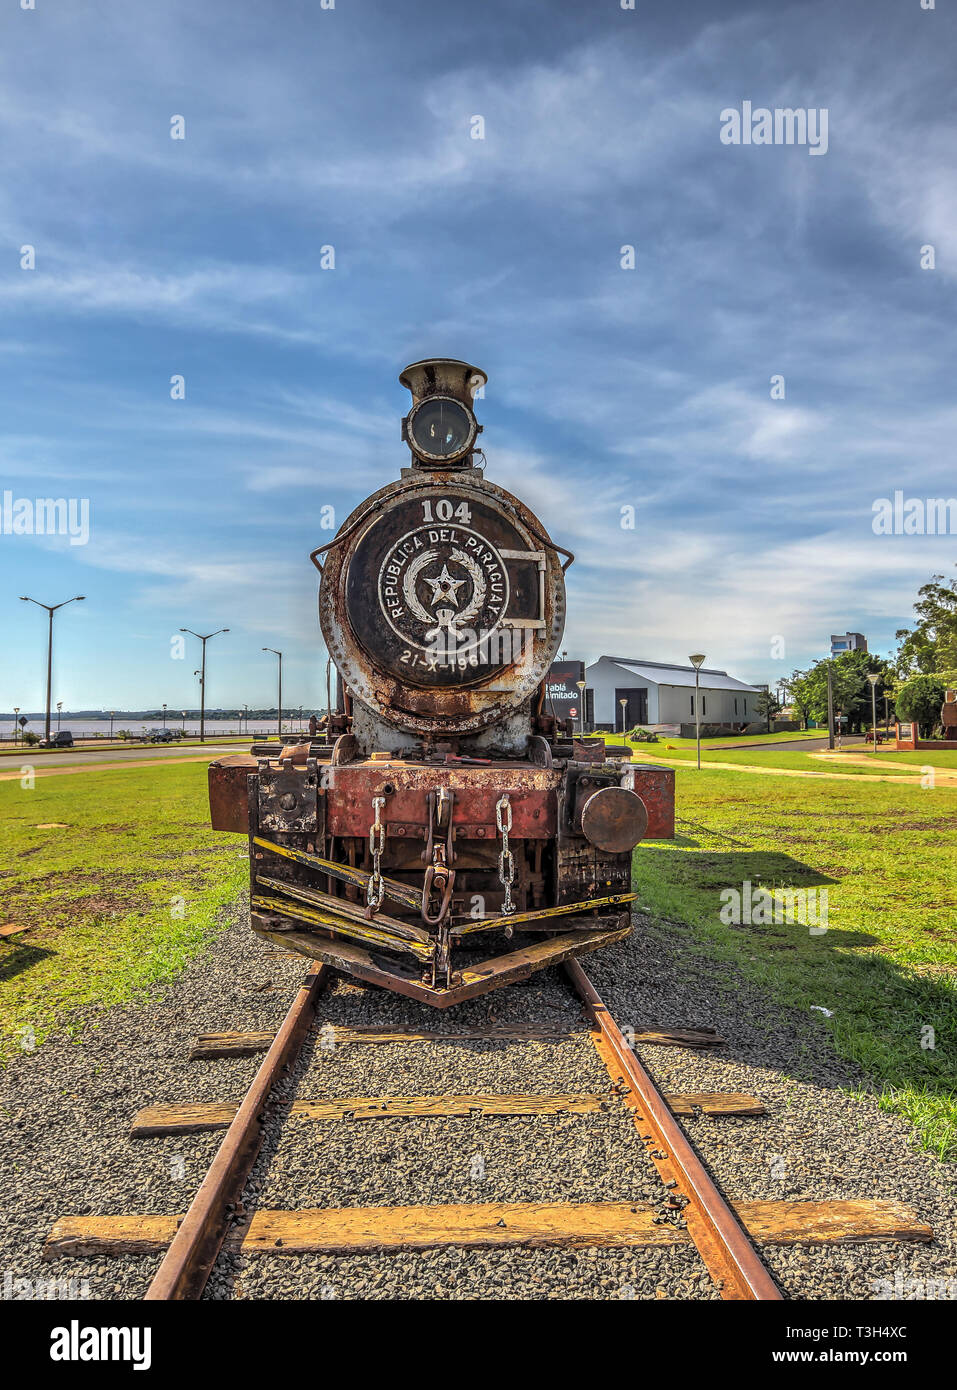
{"x":444,"y":834}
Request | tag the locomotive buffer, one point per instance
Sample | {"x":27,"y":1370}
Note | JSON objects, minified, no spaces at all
{"x":449,"y":835}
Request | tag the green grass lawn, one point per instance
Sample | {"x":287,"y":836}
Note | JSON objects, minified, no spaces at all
{"x":678,"y":751}
{"x":124,"y":895}
{"x":760,"y":757}
{"x":887,"y":965}
{"x":723,"y":741}
{"x":738,"y":740}
{"x":933,"y":757}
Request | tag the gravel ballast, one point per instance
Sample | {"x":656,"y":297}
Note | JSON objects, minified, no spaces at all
{"x":68,"y":1106}
{"x":816,"y":1141}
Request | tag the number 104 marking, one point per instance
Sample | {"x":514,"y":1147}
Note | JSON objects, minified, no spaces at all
{"x":444,"y":511}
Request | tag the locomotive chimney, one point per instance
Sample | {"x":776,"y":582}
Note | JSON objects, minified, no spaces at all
{"x":443,"y":376}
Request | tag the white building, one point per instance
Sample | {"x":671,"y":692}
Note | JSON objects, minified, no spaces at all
{"x":848,"y":642}
{"x":657,"y":693}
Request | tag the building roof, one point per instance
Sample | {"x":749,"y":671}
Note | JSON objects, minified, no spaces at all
{"x":661,"y":673}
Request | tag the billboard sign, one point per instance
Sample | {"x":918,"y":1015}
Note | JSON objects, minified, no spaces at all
{"x":561,"y":693}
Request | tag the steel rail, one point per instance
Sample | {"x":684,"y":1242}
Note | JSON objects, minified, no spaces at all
{"x":722,"y":1241}
{"x":186,"y":1266}
{"x":712,"y":1224}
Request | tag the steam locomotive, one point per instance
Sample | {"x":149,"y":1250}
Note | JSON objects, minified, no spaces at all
{"x":444,"y":833}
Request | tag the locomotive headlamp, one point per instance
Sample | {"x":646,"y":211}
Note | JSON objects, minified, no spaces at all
{"x":440,"y":429}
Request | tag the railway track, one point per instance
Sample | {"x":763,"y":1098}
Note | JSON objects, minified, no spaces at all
{"x":725,"y":1234}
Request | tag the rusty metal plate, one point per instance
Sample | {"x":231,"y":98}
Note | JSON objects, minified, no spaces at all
{"x":228,"y":794}
{"x":591,"y":752}
{"x":532,"y":792}
{"x":656,"y":787}
{"x":288,"y":798}
{"x":614,"y":819}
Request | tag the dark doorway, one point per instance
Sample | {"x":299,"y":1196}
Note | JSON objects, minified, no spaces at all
{"x":636,"y":710}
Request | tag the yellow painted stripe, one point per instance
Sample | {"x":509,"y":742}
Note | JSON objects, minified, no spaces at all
{"x":342,"y":926}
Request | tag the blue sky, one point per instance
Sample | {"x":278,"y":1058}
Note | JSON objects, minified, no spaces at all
{"x":352,"y":128}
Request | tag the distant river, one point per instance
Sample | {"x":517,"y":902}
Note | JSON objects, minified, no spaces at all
{"x":91,"y":728}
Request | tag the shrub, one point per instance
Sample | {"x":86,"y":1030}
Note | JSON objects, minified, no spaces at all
{"x":919,"y":701}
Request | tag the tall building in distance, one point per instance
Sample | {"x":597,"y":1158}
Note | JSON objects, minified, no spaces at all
{"x":848,"y":642}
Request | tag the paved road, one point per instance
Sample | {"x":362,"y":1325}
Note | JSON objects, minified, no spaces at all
{"x":806,"y":744}
{"x":149,"y":752}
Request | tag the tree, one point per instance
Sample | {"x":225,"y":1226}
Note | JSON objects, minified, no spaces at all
{"x":852,"y":694}
{"x":931,"y":645}
{"x":767,"y":706}
{"x":919,"y":700}
{"x":799,"y":697}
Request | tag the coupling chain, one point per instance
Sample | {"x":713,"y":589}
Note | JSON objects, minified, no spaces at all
{"x":506,"y":863}
{"x":375,"y":888}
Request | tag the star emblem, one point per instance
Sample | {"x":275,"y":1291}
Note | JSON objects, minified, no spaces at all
{"x":444,"y":588}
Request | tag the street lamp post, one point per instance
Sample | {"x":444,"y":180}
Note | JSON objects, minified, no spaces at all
{"x":279,"y":654}
{"x":112,"y":717}
{"x":51,"y":609}
{"x":581,"y":706}
{"x":624,"y":705}
{"x":830,"y":705}
{"x":202,"y":675}
{"x":59,"y":708}
{"x":873,"y":677}
{"x":16,"y":725}
{"x":697,"y":661}
{"x":164,"y":716}
{"x":184,"y":723}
